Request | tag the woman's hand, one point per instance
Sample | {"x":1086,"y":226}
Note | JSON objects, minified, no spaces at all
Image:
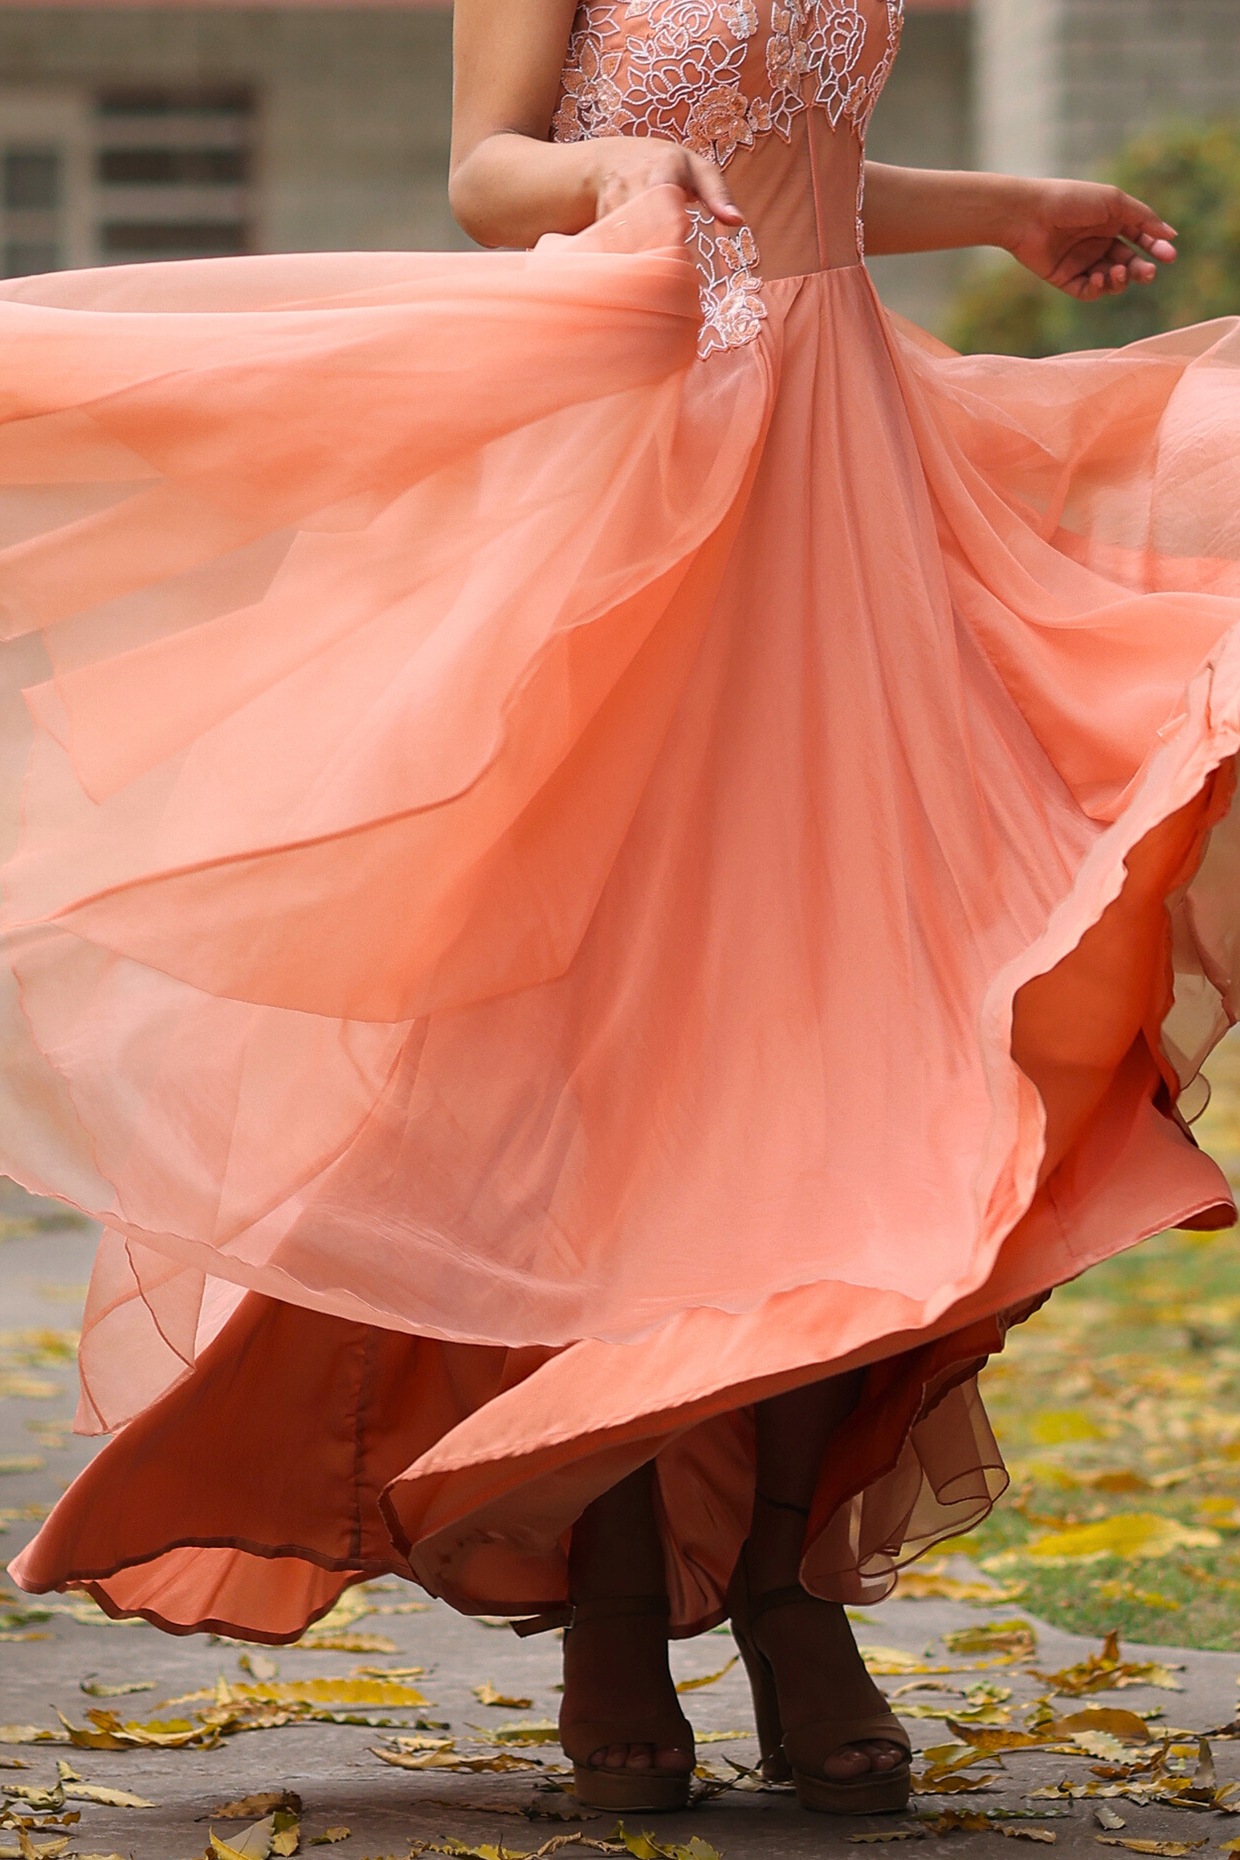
{"x":1087,"y":239}
{"x":510,"y":183}
{"x":623,"y":166}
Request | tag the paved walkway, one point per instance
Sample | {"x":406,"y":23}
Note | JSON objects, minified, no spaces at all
{"x":342,"y":1784}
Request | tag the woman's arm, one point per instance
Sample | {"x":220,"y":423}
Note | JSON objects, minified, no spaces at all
{"x":509,"y":184}
{"x":1088,"y":239}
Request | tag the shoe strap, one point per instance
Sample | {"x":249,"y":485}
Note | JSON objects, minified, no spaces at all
{"x":604,"y":1608}
{"x":809,"y":1745}
{"x":790,"y":1597}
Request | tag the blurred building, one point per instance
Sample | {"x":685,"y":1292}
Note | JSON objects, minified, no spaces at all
{"x":178,"y":129}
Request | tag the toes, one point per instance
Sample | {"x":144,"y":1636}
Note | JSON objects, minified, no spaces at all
{"x":623,"y":1757}
{"x":843,"y":1765}
{"x":858,"y":1759}
{"x":679,"y":1762}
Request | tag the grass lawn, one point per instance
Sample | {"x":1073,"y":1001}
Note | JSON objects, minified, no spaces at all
{"x":1120,"y":1402}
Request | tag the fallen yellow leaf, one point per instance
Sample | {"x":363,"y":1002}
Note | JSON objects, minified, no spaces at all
{"x":107,"y":1798}
{"x":1129,"y":1535}
{"x":1015,"y":1639}
{"x":260,"y":1840}
{"x":918,"y":1585}
{"x":542,"y":1731}
{"x":994,"y":1742}
{"x":252,"y":1807}
{"x":502,"y":1762}
{"x":317,"y":1642}
{"x":308,"y":1692}
{"x":1122,"y":1724}
{"x":487,"y":1695}
{"x":707,"y":1679}
{"x":224,"y":1850}
{"x":893,"y":1661}
{"x":1170,"y":1850}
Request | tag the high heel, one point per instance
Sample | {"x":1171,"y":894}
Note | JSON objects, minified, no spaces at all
{"x":666,"y":1727}
{"x":797,"y":1753}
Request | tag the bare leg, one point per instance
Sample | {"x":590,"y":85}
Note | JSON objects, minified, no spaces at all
{"x":612,"y":1667}
{"x":820,"y":1672}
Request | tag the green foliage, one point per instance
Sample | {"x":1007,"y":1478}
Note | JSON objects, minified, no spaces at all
{"x":1191,"y":175}
{"x":1122,"y":1395}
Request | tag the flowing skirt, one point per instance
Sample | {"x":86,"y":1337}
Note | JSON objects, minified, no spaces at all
{"x":523,"y":847}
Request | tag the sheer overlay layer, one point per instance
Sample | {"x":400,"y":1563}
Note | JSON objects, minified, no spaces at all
{"x":524,"y":851}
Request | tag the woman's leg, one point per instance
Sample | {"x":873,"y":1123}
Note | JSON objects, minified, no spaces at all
{"x":819,"y":1672}
{"x":617,"y":1669}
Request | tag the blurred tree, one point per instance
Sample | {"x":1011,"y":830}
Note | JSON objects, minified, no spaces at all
{"x":1191,"y":175}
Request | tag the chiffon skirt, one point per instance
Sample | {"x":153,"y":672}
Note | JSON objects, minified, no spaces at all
{"x":522,"y":849}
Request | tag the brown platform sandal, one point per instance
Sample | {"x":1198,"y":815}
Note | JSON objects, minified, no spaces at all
{"x":650,"y":1791}
{"x":796,"y":1753}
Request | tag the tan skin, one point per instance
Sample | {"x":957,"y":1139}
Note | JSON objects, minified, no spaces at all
{"x":510,"y":185}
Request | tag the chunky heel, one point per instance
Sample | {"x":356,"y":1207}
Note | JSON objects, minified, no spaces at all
{"x":797,"y":1754}
{"x":772,"y":1760}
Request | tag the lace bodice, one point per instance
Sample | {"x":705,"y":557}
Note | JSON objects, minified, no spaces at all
{"x":725,"y":77}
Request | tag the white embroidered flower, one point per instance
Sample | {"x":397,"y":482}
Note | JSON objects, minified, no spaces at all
{"x":678,"y":68}
{"x":718,"y":124}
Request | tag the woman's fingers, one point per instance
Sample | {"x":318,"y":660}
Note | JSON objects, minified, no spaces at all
{"x":709,"y":186}
{"x":1142,"y":227}
{"x":642,"y":163}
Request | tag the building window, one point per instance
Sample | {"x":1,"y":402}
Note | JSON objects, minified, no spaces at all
{"x":174,"y":173}
{"x":45,"y":180}
{"x":32,"y":188}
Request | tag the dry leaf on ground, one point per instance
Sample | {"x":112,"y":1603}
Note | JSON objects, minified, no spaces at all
{"x":100,"y":1689}
{"x":1015,"y":1639}
{"x":707,"y":1679}
{"x":453,"y":1760}
{"x":253,"y":1807}
{"x":893,"y":1662}
{"x":106,"y":1797}
{"x":316,"y":1642}
{"x":1108,"y":1671}
{"x":307,"y":1692}
{"x":486,"y":1694}
{"x":996,"y":1742}
{"x":1125,"y":1725}
{"x":1169,"y":1850}
{"x":882,"y":1836}
{"x":929,"y":1582}
{"x":329,"y":1837}
{"x":259,"y":1666}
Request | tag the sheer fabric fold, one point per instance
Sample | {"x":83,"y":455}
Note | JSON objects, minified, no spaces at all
{"x":523,"y":846}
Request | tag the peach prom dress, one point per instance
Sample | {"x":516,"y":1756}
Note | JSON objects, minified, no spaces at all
{"x":535,"y":780}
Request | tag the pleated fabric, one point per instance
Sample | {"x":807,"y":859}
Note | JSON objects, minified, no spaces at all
{"x":523,"y":847}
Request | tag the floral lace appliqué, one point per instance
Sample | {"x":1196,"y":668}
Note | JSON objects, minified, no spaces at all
{"x":673,"y":68}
